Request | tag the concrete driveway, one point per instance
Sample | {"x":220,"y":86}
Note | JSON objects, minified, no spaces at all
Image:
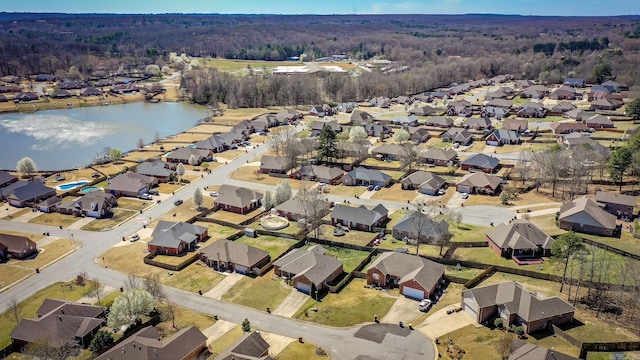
{"x":229,"y":280}
{"x":404,"y":309}
{"x":455,"y":201}
{"x":440,"y":323}
{"x":215,"y":331}
{"x":291,"y":304}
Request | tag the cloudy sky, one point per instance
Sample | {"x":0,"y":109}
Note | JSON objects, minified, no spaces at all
{"x":522,"y":7}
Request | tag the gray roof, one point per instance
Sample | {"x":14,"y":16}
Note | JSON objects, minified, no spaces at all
{"x":459,"y":134}
{"x":249,"y":346}
{"x":521,"y":350}
{"x":481,"y":161}
{"x":184,"y":153}
{"x":409,"y":267}
{"x":359,"y":117}
{"x":278,"y":163}
{"x":404,"y":119}
{"x":428,"y":227}
{"x":323,"y":172}
{"x":156,"y":168}
{"x":301,"y":207}
{"x":597,"y":119}
{"x":515,"y":124}
{"x":425,"y":179}
{"x":215,"y":141}
{"x":129,"y":182}
{"x":584,"y":210}
{"x":92,"y":201}
{"x":237,"y":196}
{"x":359,"y":215}
{"x":362,"y":173}
{"x":533,"y":105}
{"x":506,"y":134}
{"x":234,"y":252}
{"x":563,"y":106}
{"x":481,"y":180}
{"x":321,"y":124}
{"x":27,"y":190}
{"x":171,"y":234}
{"x":310,"y":263}
{"x":390,"y":149}
{"x":501,"y":103}
{"x":16,"y":243}
{"x":520,"y":235}
{"x":439,"y":121}
{"x":519,"y":301}
{"x":613,"y":198}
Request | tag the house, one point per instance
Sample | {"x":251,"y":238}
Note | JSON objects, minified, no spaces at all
{"x":309,"y":270}
{"x":296,"y":209}
{"x":424,"y":181}
{"x":359,"y":117}
{"x":577,"y":114}
{"x":496,"y":95}
{"x":620,"y":205}
{"x":536,"y":92}
{"x":425,"y":110}
{"x":517,"y":125}
{"x":238,"y":199}
{"x":388,"y":151}
{"x":175,"y":238}
{"x":480,"y":162}
{"x":45,"y":78}
{"x":321,"y":110}
{"x":10,"y":79}
{"x":59,"y":323}
{"x":419,"y":134}
{"x":531,"y":110}
{"x":563,"y":93}
{"x":404,"y":100}
{"x":503,"y":137}
{"x":567,"y":127}
{"x":250,"y":346}
{"x":147,"y":344}
{"x":613,"y":86}
{"x":321,"y":174}
{"x":347,"y":107}
{"x":274,"y":165}
{"x":161,"y":170}
{"x":19,"y":247}
{"x":26,"y":193}
{"x":457,"y":135}
{"x":405,"y":120}
{"x":575,"y":139}
{"x":500,"y":103}
{"x":288,"y":116}
{"x":415,"y":276}
{"x":226,"y":255}
{"x":26,"y":96}
{"x":439,"y":121}
{"x":354,"y":150}
{"x":3,"y":98}
{"x":574,"y":82}
{"x":584,"y":215}
{"x":9,"y":89}
{"x":217,"y":143}
{"x":263,"y":122}
{"x":562,"y":107}
{"x":521,"y":350}
{"x":460,"y":108}
{"x":515,"y":305}
{"x":479,"y":183}
{"x":130,"y":184}
{"x":91,"y":91}
{"x":244,"y":127}
{"x":494,"y":112}
{"x":183,"y":154}
{"x":95,"y":204}
{"x":380,"y":102}
{"x":439,"y":157}
{"x":359,"y":218}
{"x":477,"y":123}
{"x":49,"y":205}
{"x":519,"y":239}
{"x":318,"y":125}
{"x":598,"y":122}
{"x":7,"y":179}
{"x":378,"y":130}
{"x":124,"y":88}
{"x":524,"y":84}
{"x":416,"y":225}
{"x":61,"y":94}
{"x":364,"y":176}
{"x":67,"y":84}
{"x":605,"y":104}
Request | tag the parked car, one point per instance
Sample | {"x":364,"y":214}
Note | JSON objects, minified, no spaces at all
{"x":465,"y":195}
{"x":145,"y":196}
{"x":424,"y":305}
{"x":441,"y":191}
{"x":456,"y":145}
{"x":377,"y":187}
{"x":177,"y":202}
{"x":402,"y":250}
{"x":134,"y":238}
{"x":214,"y":193}
{"x":370,"y":187}
{"x":154,"y":192}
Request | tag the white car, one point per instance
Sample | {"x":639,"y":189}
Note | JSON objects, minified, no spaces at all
{"x":464,"y":195}
{"x":424,"y":304}
{"x":134,"y":238}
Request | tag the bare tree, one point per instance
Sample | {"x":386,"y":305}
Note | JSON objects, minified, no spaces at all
{"x":523,"y":165}
{"x":13,"y":311}
{"x":132,"y":282}
{"x":43,"y":349}
{"x":95,"y":290}
{"x":140,"y":143}
{"x":169,"y":312}
{"x":280,"y":136}
{"x":408,"y":157}
{"x":153,"y":284}
{"x":156,"y":137}
{"x":503,"y":346}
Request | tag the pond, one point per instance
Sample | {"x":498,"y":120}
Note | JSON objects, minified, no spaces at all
{"x":70,"y":138}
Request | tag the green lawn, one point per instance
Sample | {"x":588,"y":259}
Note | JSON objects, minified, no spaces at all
{"x":54,"y":219}
{"x":296,"y":351}
{"x":626,"y":242}
{"x":396,"y":175}
{"x":424,"y":249}
{"x":465,"y":273}
{"x":354,"y":305}
{"x":351,"y":237}
{"x":273,"y":245}
{"x":216,"y":231}
{"x":292,"y":229}
{"x":259,"y":292}
{"x":486,"y":256}
{"x":348,"y":191}
{"x":350,"y":258}
{"x":193,"y":278}
{"x":376,"y":162}
{"x":225,"y":341}
{"x":133,"y":204}
{"x":119,"y":215}
{"x":466,"y":232}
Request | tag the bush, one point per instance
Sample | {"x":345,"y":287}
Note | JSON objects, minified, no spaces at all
{"x":519,"y":330}
{"x":498,"y":323}
{"x":102,"y":340}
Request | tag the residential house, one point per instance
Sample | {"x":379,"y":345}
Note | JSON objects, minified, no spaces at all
{"x":359,"y":117}
{"x":500,"y":103}
{"x":26,"y":96}
{"x":536,"y":92}
{"x":577,"y":114}
{"x":161,"y":170}
{"x":499,"y":94}
{"x":354,"y":150}
{"x":503,"y":137}
{"x":262,"y":123}
{"x":460,"y":108}
{"x":130,"y":184}
{"x":574,"y":82}
{"x":521,"y":350}
{"x":519,"y":239}
{"x":439,"y":157}
{"x":16,"y":246}
{"x":403,"y":100}
{"x":91,"y":91}
{"x":9,"y":89}
{"x":480,"y":162}
{"x":45,"y":78}
{"x":576,"y":140}
{"x":274,"y":165}
{"x":67,"y":84}
{"x":524,"y":84}
{"x":288,"y":116}
{"x":439,"y":121}
{"x":321,"y":111}
{"x":244,"y":127}
{"x":620,"y":205}
{"x":95,"y":204}
{"x":605,"y":104}
{"x":564,"y":93}
{"x":499,"y":79}
{"x":216,"y":143}
{"x":378,"y":130}
{"x":364,"y":176}
{"x":238,"y":199}
{"x":147,"y":344}
{"x":479,"y":183}
{"x":318,"y":125}
{"x":459,"y":89}
{"x":359,"y":218}
{"x":7,"y":179}
{"x":183,"y":154}
{"x":3,"y":98}
{"x":613,"y":86}
{"x":416,"y":225}
{"x":226,"y":255}
{"x":388,"y":151}
{"x":562,"y":107}
{"x":517,"y":125}
{"x":567,"y":127}
{"x":49,"y":205}
{"x":309,"y":270}
{"x":531,"y":110}
{"x":175,"y":238}
{"x":12,"y":79}
{"x":380,"y":102}
{"x":457,"y":135}
{"x":515,"y":305}
{"x":61,"y":94}
{"x":477,"y":123}
{"x":494,"y":112}
{"x":584,"y":215}
{"x":26,"y":193}
{"x":424,"y":181}
{"x":59,"y":323}
{"x":598,"y":122}
{"x":321,"y":174}
{"x":415,"y":276}
{"x":297,"y":208}
{"x":347,"y":107}
{"x":405,"y":120}
{"x":419,"y":134}
{"x":425,"y":110}
{"x":250,"y":346}
{"x":124,"y":88}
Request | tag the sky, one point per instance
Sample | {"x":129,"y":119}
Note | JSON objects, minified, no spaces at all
{"x":520,"y":7}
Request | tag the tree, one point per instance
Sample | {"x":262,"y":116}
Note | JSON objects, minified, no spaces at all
{"x":102,"y":340}
{"x":505,"y":197}
{"x":156,"y":137}
{"x":95,"y":290}
{"x":565,"y":247}
{"x":13,"y":311}
{"x":153,"y":285}
{"x":408,"y":157}
{"x":267,"y":200}
{"x":246,"y":325}
{"x":193,"y":160}
{"x":601,"y":72}
{"x":327,"y":141}
{"x":128,"y":307}
{"x":140,"y":143}
{"x":358,"y":134}
{"x":400,"y":136}
{"x":619,"y":163}
{"x":180,"y":170}
{"x":282,"y":192}
{"x":169,"y":312}
{"x":43,"y":349}
{"x":633,"y":109}
{"x":198,"y":198}
{"x":115,"y":155}
{"x":26,"y":165}
{"x":503,"y":344}
{"x":132,"y":282}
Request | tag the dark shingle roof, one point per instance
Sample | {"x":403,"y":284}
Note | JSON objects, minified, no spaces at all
{"x":359,"y":215}
{"x":234,"y":252}
{"x":365,"y":174}
{"x":171,"y":234}
{"x":481,"y":161}
{"x":237,"y":196}
{"x":520,"y":235}
{"x":409,"y":267}
{"x":613,"y":198}
{"x":310,"y":263}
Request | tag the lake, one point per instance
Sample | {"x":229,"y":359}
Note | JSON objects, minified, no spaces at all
{"x":70,"y":138}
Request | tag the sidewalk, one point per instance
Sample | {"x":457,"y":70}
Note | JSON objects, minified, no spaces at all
{"x":290,"y":305}
{"x":224,"y":285}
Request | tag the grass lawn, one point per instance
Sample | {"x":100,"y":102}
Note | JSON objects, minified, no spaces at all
{"x":476,"y":146}
{"x":296,"y":351}
{"x":395,"y":217}
{"x":486,"y":256}
{"x":54,"y":219}
{"x":464,"y":273}
{"x":625,"y":242}
{"x":429,"y":250}
{"x":396,"y":175}
{"x":225,"y":341}
{"x":466,"y":232}
{"x":133,"y":204}
{"x":108,"y":299}
{"x":184,"y":318}
{"x":518,"y":148}
{"x":259,"y":292}
{"x":350,"y":258}
{"x":376,"y":162}
{"x":395,"y":193}
{"x":352,"y":237}
{"x":119,"y":215}
{"x":271,"y":244}
{"x":166,"y":188}
{"x":46,"y":254}
{"x":529,"y":198}
{"x":187,"y":210}
{"x":438,"y":143}
{"x":347,"y":191}
{"x":248,"y":173}
{"x":216,"y":231}
{"x":11,"y":274}
{"x":233,"y":217}
{"x":138,"y":156}
{"x":292,"y":229}
{"x":17,"y":214}
{"x":354,"y":305}
{"x":175,"y":260}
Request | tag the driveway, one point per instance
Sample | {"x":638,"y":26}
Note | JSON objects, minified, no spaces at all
{"x":276,"y":342}
{"x":440,"y":323}
{"x":484,"y":215}
{"x":25,"y":218}
{"x":455,"y":201}
{"x":229,"y":280}
{"x":291,"y":304}
{"x":404,"y":309}
{"x":215,"y":331}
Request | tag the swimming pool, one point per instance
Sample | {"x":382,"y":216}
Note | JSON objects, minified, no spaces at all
{"x":72,"y":185}
{"x":89,"y":189}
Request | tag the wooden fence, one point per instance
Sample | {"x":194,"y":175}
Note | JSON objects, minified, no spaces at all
{"x":188,"y":261}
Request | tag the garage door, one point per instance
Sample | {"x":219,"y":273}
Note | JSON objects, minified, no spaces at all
{"x":305,"y":288}
{"x":492,"y":143}
{"x":470,"y":308}
{"x":413,"y":293}
{"x":241,"y":269}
